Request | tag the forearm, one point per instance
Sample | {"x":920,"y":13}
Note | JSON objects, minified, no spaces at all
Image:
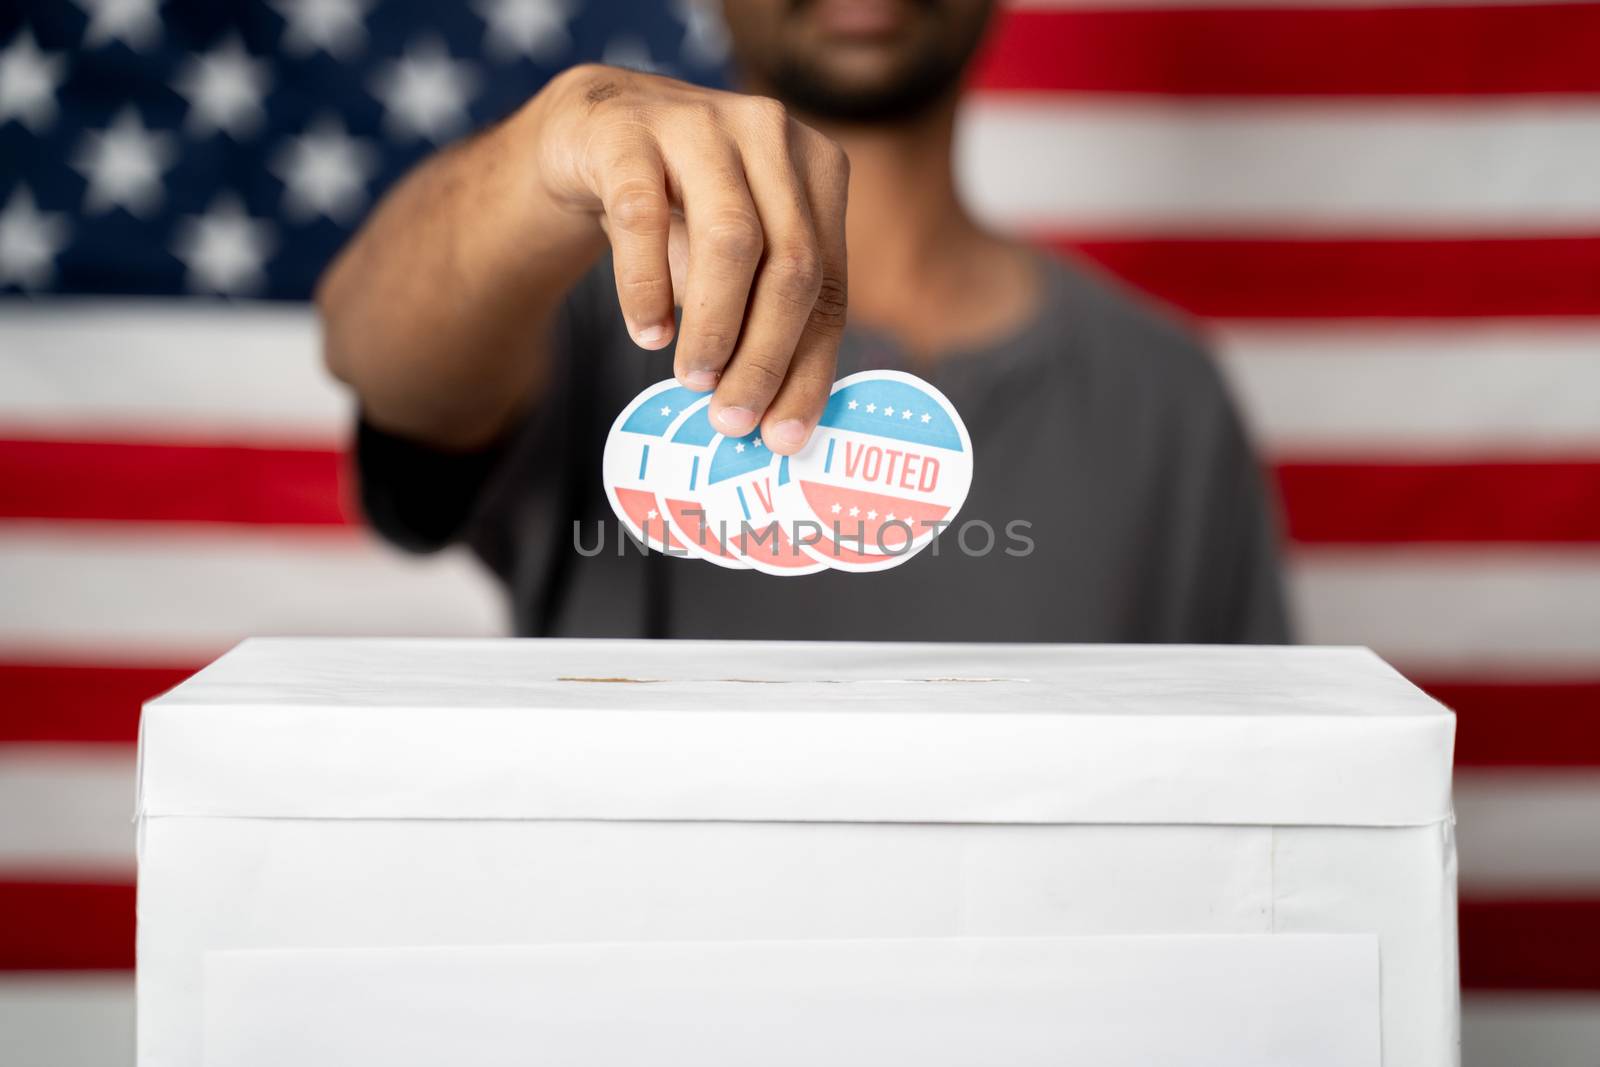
{"x":437,"y":313}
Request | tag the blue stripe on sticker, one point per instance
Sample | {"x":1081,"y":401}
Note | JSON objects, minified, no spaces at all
{"x":827,"y":461}
{"x":742,"y":505}
{"x":694,"y":473}
{"x":644,"y":461}
{"x":654,"y":415}
{"x":889,"y":408}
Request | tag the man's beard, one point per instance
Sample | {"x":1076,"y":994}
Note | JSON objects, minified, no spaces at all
{"x":932,"y":78}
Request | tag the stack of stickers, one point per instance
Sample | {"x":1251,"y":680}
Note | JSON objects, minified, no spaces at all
{"x":885,"y":472}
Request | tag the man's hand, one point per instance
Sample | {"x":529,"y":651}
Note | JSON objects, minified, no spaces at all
{"x":721,"y":204}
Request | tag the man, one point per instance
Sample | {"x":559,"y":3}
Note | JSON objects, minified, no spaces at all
{"x":491,"y":339}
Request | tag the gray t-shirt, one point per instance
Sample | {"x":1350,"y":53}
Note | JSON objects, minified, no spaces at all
{"x":1101,"y":425}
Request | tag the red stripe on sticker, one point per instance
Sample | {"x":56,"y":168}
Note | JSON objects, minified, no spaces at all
{"x":145,"y":482}
{"x":1391,"y":503}
{"x":1298,"y":51}
{"x":1530,"y":944}
{"x":64,"y":926}
{"x":74,"y":702}
{"x":1523,"y":723}
{"x":1371,"y":277}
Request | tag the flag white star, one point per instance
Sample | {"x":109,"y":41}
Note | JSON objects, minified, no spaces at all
{"x":29,"y":79}
{"x":871,"y":408}
{"x":325,"y":172}
{"x":225,"y":249}
{"x":631,"y":52}
{"x":123,"y":164}
{"x":666,"y":409}
{"x":224,"y":87}
{"x":133,"y":22}
{"x":705,"y":35}
{"x":30,"y":239}
{"x":425,"y":92}
{"x":739,"y":447}
{"x":534,"y":28}
{"x":852,"y":405}
{"x":336,"y":27}
{"x":926,"y":417}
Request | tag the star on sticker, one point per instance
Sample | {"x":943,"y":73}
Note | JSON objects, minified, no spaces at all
{"x":739,"y":447}
{"x":906,"y":414}
{"x":652,"y":514}
{"x":871,"y":514}
{"x":666,"y":410}
{"x":28,"y":82}
{"x":756,"y":442}
{"x":29,"y":241}
{"x":224,"y":249}
{"x":854,"y":512}
{"x":926,"y":417}
{"x":425,"y":92}
{"x":834,"y":509}
{"x":325,"y":172}
{"x":123,"y":164}
{"x":871,"y":408}
{"x":889,"y":517}
{"x":705,"y":35}
{"x":224,"y":87}
{"x":533,"y":28}
{"x":133,"y":22}
{"x":851,"y":405}
{"x":336,"y":27}
{"x":888,"y":412}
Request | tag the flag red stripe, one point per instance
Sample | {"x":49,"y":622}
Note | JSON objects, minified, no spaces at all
{"x":1530,"y":944}
{"x":1338,"y":51}
{"x":79,"y":702}
{"x":1387,"y":503}
{"x":1356,"y":277}
{"x":109,"y":481}
{"x":56,"y":926}
{"x":1505,"y":944}
{"x":1325,"y":502}
{"x":1523,"y":723}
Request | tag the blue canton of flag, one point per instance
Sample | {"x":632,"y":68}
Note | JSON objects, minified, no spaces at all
{"x":229,"y":148}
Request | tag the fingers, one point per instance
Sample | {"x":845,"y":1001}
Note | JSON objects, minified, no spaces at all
{"x":633,"y":194}
{"x":725,"y":244}
{"x":787,"y":282}
{"x":794,"y":412}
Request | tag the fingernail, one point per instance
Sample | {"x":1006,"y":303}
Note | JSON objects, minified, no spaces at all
{"x":652,"y":336}
{"x":788,"y":434}
{"x":701,"y":381}
{"x":735,"y":422}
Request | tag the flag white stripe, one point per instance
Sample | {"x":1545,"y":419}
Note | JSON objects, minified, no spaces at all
{"x":1523,"y":1030}
{"x":1449,"y":612}
{"x":1503,"y":389}
{"x":67,"y":1020}
{"x":1521,"y":833}
{"x":1528,"y":832}
{"x":178,"y":591}
{"x":1126,"y":166}
{"x":130,"y":371}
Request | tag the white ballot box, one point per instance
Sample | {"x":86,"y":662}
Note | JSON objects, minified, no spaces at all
{"x":609,"y":853}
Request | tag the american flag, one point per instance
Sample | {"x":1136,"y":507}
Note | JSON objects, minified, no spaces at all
{"x":1387,"y":217}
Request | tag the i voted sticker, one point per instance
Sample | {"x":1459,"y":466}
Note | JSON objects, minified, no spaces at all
{"x":680,"y":478}
{"x":633,"y":455}
{"x":887,"y":468}
{"x":741,"y":508}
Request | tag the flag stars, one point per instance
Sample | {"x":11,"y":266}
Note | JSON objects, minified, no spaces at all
{"x":224,"y":87}
{"x":132,"y":22}
{"x":533,"y":28}
{"x":225,"y":249}
{"x":29,"y":79}
{"x":325,"y":172}
{"x":336,"y":27}
{"x":123,"y":165}
{"x":425,"y":92}
{"x":30,"y":240}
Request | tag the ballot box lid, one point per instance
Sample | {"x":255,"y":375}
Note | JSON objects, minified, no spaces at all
{"x":795,"y":731}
